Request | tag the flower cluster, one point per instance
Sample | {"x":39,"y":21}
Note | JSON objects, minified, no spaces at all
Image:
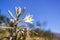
{"x":19,"y":12}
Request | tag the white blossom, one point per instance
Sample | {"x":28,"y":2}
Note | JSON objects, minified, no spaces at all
{"x":18,"y":10}
{"x":28,"y":19}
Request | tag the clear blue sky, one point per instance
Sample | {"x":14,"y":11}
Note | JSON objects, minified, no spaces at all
{"x":43,"y":10}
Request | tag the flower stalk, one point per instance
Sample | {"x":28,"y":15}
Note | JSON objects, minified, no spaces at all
{"x":19,"y":13}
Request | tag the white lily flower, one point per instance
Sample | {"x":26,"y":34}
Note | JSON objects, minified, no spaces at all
{"x":10,"y":13}
{"x":22,"y":11}
{"x":28,"y":19}
{"x":18,"y":10}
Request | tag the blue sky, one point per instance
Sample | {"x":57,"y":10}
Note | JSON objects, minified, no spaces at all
{"x":42,"y":10}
